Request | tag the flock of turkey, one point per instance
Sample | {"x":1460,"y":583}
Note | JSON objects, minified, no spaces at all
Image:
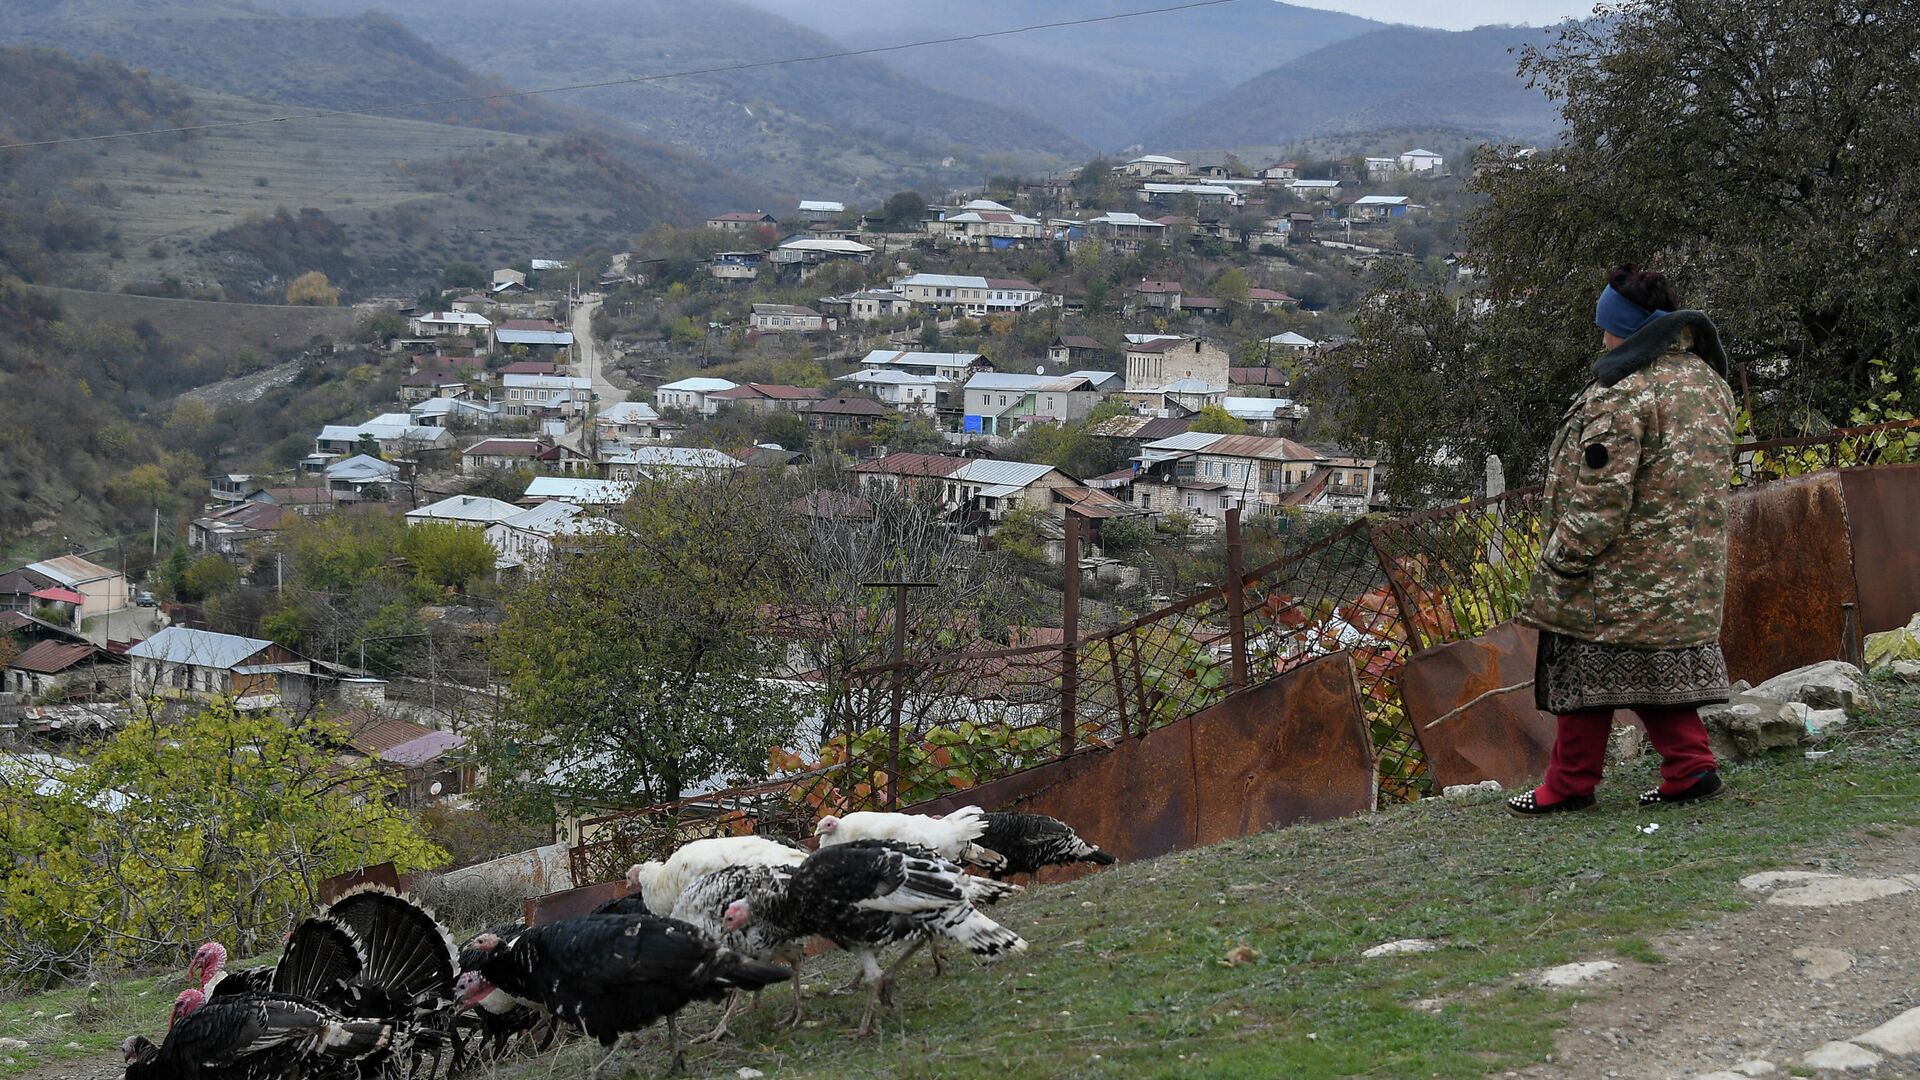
{"x":374,"y":986}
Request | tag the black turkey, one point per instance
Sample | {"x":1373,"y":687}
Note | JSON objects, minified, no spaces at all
{"x":1031,"y":841}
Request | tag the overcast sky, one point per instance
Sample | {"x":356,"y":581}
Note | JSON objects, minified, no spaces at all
{"x":1458,"y":14}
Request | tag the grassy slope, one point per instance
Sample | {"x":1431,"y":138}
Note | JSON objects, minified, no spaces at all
{"x":1125,"y":975}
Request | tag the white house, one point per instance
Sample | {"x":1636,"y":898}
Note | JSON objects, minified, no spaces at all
{"x":1126,"y":230}
{"x":1378,"y":207}
{"x":1315,"y":189}
{"x":788,"y":319}
{"x":1159,"y":360}
{"x":982,"y":227}
{"x":1282,"y":170}
{"x":449,"y":324}
{"x":1378,"y":167}
{"x":436,"y":412}
{"x":1421,"y":161}
{"x":1207,"y":194}
{"x":579,"y":491}
{"x":637,"y":462}
{"x":691,"y":394}
{"x":473,"y":510}
{"x":821,"y":208}
{"x":566,"y":394}
{"x":399,"y":434}
{"x":200,"y":665}
{"x":1150,"y":165}
{"x":969,"y":293}
{"x":901,"y":390}
{"x":999,"y":403}
{"x":534,"y":333}
{"x":870,"y":304}
{"x":631,"y":420}
{"x":953,"y":367}
{"x":528,"y":539}
{"x":1289,"y":341}
{"x":348,"y":479}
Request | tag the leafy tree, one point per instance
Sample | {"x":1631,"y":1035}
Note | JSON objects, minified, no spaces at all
{"x":1020,"y":538}
{"x":1216,"y":420}
{"x":312,"y":289}
{"x":930,"y":338}
{"x":448,"y":556}
{"x":1231,"y":286}
{"x":903,"y":211}
{"x":463,"y":275}
{"x":503,"y":484}
{"x":1126,"y":533}
{"x":1766,"y":181}
{"x":635,"y":667}
{"x":219,"y":825}
{"x":207,"y":577}
{"x":379,"y":327}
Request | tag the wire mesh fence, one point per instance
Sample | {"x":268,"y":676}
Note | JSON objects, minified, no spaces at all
{"x":1890,"y":443}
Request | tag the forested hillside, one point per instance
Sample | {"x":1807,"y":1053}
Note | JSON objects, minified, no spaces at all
{"x":838,"y":126}
{"x":1398,"y":77}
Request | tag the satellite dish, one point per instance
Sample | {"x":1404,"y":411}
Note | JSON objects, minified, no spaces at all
{"x":435,"y":789}
{"x":1039,"y":369}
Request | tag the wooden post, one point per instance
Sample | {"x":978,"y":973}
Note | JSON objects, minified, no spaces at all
{"x":897,"y":677}
{"x":1070,"y":642}
{"x":1236,"y":602}
{"x":1119,"y":685}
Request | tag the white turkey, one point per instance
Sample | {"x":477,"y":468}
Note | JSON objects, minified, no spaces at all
{"x":704,"y":905}
{"x":659,"y":884}
{"x":951,"y":837}
{"x":868,"y":894}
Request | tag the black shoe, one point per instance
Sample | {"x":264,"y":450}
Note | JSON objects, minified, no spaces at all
{"x":1706,"y":786}
{"x":1525,"y":806}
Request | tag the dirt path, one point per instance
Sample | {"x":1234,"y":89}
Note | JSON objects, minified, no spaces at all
{"x":1772,"y":984}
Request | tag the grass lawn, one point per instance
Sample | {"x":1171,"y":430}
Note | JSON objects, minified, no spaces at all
{"x":1127,"y":973}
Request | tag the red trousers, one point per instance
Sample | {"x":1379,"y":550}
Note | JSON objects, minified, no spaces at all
{"x":1580,"y":751}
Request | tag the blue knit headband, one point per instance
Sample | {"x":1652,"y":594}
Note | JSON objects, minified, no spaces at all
{"x":1620,"y":316}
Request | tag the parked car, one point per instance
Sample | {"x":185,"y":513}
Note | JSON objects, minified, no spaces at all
{"x":143,"y":598}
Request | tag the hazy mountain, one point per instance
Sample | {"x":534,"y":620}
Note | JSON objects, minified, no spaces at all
{"x":1394,"y":78}
{"x":849,"y":127}
{"x":357,"y":62}
{"x":1107,"y":83}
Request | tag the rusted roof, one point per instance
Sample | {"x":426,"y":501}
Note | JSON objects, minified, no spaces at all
{"x":52,"y":657}
{"x":774,"y":391}
{"x":1256,"y":376}
{"x":1081,"y":341}
{"x":914,"y":465}
{"x":845,"y":406}
{"x":1261,"y":446}
{"x":1157,"y":287}
{"x":373,"y":733}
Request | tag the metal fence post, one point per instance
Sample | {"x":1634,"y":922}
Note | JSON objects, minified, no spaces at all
{"x":1407,"y":621}
{"x":1236,"y":602}
{"x":1070,"y":641}
{"x":898,"y":695}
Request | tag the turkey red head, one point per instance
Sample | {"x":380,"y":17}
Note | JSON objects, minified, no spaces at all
{"x":471,"y":988}
{"x":207,"y":962}
{"x":184,"y":1005}
{"x":738,"y":915}
{"x":826,"y":826}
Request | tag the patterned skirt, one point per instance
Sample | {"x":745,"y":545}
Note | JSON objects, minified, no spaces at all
{"x":1572,"y":675}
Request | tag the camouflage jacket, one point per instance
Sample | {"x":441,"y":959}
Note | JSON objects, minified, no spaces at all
{"x":1635,"y":513}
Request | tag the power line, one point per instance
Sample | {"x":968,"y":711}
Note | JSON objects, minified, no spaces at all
{"x":625,"y":81}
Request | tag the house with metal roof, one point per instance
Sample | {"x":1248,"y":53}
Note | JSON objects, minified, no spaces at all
{"x":1156,"y":165}
{"x":900,"y":390}
{"x":978,"y":492}
{"x":415,"y":753}
{"x":526,"y":395}
{"x":820,"y":208}
{"x":202,"y":666}
{"x":450,"y":324}
{"x":74,"y":669}
{"x":768,"y":397}
{"x":100,"y":589}
{"x":1160,"y":360}
{"x":691,"y":394}
{"x":581,"y":491}
{"x":525,"y":541}
{"x":475,"y":511}
{"x":953,"y":367}
{"x":1210,"y":473}
{"x":538,"y":334}
{"x":1379,"y":207}
{"x":969,"y":293}
{"x":398,"y":434}
{"x":359,"y":476}
{"x":657,"y":462}
{"x":1001,"y":403}
{"x":788,"y":319}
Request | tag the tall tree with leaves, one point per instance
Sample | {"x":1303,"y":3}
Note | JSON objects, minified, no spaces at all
{"x":634,"y":667}
{"x":1755,"y":151}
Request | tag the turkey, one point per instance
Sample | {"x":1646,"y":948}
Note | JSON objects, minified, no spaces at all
{"x":499,"y":1015}
{"x":951,"y":837}
{"x":208,"y":971}
{"x":407,"y":972}
{"x":868,"y":894}
{"x":257,"y":1037}
{"x":631,"y":904}
{"x":659,"y":884}
{"x":704,"y":906}
{"x":1031,"y":841}
{"x":615,"y":974}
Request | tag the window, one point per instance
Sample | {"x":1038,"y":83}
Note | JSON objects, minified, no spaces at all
{"x":1193,"y":500}
{"x":1223,"y":502}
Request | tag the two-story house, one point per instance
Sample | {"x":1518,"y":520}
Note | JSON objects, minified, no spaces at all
{"x":1125,"y":230}
{"x":903,"y":391}
{"x":788,"y":319}
{"x":692,"y":394}
{"x":742,"y":221}
{"x":564,"y":395}
{"x":767,"y":397}
{"x":199,"y":665}
{"x":396,"y":435}
{"x":1001,"y":403}
{"x":1159,"y":359}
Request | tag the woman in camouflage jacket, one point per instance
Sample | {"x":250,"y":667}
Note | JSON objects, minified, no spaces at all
{"x":1627,"y":591}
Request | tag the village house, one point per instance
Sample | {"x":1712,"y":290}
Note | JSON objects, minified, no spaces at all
{"x":440,"y":376}
{"x":451,"y":324}
{"x":1001,"y":403}
{"x":472,"y":302}
{"x":239,"y":530}
{"x":1204,"y":194}
{"x":742,"y":221}
{"x":472,"y":511}
{"x":581,"y":491}
{"x":767,"y":397}
{"x":1124,"y":230}
{"x":507,"y":277}
{"x":952,"y":367}
{"x":1377,"y":168}
{"x":1422,"y":161}
{"x":1322,"y":190}
{"x":68,"y":670}
{"x":820,"y":209}
{"x":692,"y":394}
{"x":1270,"y":415}
{"x":658,"y":462}
{"x":231,"y":487}
{"x":868,"y":305}
{"x":788,"y":319}
{"x":451,"y":412}
{"x":305,"y":501}
{"x":542,"y":337}
{"x":1208,"y":473}
{"x":978,"y":492}
{"x":1378,"y":207}
{"x":538,"y":454}
{"x":634,"y":421}
{"x":1267,"y":382}
{"x":736,"y":265}
{"x":526,"y":541}
{"x":564,"y":395}
{"x":1159,"y":295}
{"x":987,"y":228}
{"x":902,"y":390}
{"x":1270,"y":299}
{"x":806,"y":254}
{"x":1156,"y":165}
{"x":359,"y":477}
{"x":966,"y":293}
{"x":845,"y":415}
{"x":1159,"y":360}
{"x":418,"y":757}
{"x":202,"y":666}
{"x":396,"y":434}
{"x":98,"y":589}
{"x":1077,"y":351}
{"x":1283,"y":171}
{"x":1207,"y":307}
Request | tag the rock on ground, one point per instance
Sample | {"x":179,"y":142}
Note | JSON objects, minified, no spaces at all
{"x":1841,"y":1057}
{"x":1402,"y":947}
{"x":1830,"y":684}
{"x":1575,"y":974}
